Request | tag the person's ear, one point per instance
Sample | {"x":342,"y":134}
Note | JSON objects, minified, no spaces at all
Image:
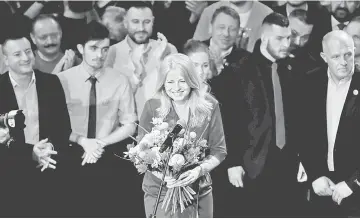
{"x":32,"y":38}
{"x":322,"y":54}
{"x":80,"y":48}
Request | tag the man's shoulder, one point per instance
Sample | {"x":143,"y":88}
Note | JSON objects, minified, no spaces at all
{"x":120,"y":44}
{"x":116,"y":77}
{"x":47,"y":80}
{"x":315,"y":76}
{"x":45,"y":76}
{"x":262,"y":8}
{"x":4,"y":77}
{"x":68,"y":73}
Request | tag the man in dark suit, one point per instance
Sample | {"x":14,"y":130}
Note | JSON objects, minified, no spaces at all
{"x":264,"y":161}
{"x":329,"y":137}
{"x":28,"y":191}
{"x":291,"y":6}
{"x":228,"y":59}
{"x":341,"y":12}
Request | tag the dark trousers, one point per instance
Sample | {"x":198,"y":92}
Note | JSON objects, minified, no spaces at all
{"x":324,"y":206}
{"x":275,"y":192}
{"x":229,"y":201}
{"x":109,"y":188}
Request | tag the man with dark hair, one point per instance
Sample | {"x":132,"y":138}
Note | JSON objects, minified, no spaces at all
{"x":46,"y":34}
{"x":292,"y":5}
{"x":138,"y":56}
{"x":102,"y":114}
{"x":264,"y":161}
{"x":73,"y":23}
{"x":301,"y":58}
{"x":47,"y":130}
{"x":335,"y":17}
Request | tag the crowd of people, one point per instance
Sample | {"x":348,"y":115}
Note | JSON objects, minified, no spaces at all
{"x":271,"y":85}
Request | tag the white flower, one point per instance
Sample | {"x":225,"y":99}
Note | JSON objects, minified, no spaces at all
{"x":177,"y":159}
{"x":192,"y":135}
{"x":163,"y":126}
{"x":157,"y":121}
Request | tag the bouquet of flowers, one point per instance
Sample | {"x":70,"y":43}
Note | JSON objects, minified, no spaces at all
{"x":187,"y":152}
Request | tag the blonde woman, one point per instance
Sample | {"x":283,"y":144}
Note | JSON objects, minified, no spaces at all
{"x":181,"y":98}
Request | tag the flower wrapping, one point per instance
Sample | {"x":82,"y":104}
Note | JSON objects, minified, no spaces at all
{"x":188,"y":151}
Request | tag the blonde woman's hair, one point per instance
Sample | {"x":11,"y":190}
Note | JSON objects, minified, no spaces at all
{"x":200,"y":107}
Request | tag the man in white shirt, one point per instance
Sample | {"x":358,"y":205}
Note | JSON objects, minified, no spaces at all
{"x":342,"y":12}
{"x":138,"y":56}
{"x":329,"y":145}
{"x":102,"y":114}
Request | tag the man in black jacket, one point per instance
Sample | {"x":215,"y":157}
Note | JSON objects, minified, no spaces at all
{"x":329,"y":138}
{"x":225,"y":25}
{"x":27,"y":191}
{"x":264,"y":160}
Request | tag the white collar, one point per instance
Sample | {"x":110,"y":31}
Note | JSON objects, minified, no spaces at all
{"x":15,"y":84}
{"x":335,"y":22}
{"x":223,"y":54}
{"x":87,"y":74}
{"x":267,"y":55}
{"x":290,"y":8}
{"x":342,"y":81}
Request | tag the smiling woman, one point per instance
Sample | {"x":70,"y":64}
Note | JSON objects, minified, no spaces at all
{"x":181,"y":98}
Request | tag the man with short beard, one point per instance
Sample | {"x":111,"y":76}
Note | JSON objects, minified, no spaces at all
{"x":264,"y":162}
{"x":301,"y":59}
{"x":137,"y":56}
{"x":46,"y":34}
{"x":292,"y":5}
{"x":338,"y":16}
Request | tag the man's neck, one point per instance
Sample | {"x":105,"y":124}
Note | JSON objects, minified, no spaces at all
{"x":22,"y":79}
{"x":265,"y":53}
{"x":73,"y":15}
{"x":133,"y":44}
{"x":216,"y":48}
{"x":90,"y":70}
{"x":244,"y":6}
{"x":48,"y":58}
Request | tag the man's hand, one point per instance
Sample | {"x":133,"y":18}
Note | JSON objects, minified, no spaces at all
{"x":69,"y":59}
{"x":59,"y":66}
{"x":42,"y":152}
{"x":236,"y":176}
{"x":137,"y":58}
{"x":340,"y":191}
{"x":196,"y":8}
{"x":93,"y":149}
{"x":162,"y":43}
{"x":4,"y":135}
{"x":322,"y":186}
